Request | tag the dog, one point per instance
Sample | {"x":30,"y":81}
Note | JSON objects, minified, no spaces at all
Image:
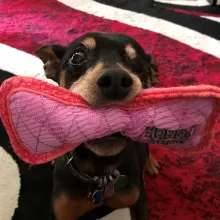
{"x":103,"y":68}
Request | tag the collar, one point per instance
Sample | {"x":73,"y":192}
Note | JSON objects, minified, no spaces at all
{"x":106,"y":186}
{"x":72,"y":158}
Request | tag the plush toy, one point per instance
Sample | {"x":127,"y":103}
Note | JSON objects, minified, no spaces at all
{"x":44,"y":121}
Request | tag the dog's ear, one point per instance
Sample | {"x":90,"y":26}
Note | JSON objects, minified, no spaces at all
{"x":154,"y":71}
{"x":153,"y":78}
{"x":51,"y":55}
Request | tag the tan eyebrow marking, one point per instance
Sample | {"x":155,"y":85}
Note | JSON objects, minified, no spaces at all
{"x":89,"y":43}
{"x":131,"y":52}
{"x":62,"y":79}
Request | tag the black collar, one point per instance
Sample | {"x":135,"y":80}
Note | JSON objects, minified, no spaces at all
{"x":71,"y":159}
{"x":105,"y":186}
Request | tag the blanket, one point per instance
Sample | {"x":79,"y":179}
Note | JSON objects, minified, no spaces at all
{"x":184,"y":37}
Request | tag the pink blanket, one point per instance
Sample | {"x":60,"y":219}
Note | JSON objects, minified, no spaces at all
{"x":45,"y":121}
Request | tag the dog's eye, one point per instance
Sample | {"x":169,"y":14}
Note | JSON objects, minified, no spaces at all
{"x":78,"y":58}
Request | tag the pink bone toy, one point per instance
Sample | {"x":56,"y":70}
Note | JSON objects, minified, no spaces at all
{"x":45,"y":121}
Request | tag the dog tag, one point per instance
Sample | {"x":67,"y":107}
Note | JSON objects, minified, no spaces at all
{"x":120,"y":183}
{"x":116,"y":185}
{"x":109,"y":190}
{"x":97,"y":196}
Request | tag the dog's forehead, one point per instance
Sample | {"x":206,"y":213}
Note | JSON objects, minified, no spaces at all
{"x":102,"y":40}
{"x":117,"y":39}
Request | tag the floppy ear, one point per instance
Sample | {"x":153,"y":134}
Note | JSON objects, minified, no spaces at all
{"x":154,"y":71}
{"x":51,"y":55}
{"x":153,"y":78}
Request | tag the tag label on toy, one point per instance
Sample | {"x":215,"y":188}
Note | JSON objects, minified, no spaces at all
{"x":165,"y":137}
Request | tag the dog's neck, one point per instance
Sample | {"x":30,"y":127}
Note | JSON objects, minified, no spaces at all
{"x":93,"y":165}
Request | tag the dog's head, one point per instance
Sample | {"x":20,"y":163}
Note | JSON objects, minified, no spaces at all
{"x":103,"y":68}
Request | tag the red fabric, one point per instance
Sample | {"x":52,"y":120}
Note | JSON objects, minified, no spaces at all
{"x":187,"y":188}
{"x":194,"y":13}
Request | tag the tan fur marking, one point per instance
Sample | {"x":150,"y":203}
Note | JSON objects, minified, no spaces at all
{"x":130,"y":51}
{"x":89,"y":43}
{"x":123,"y":199}
{"x":154,"y":71}
{"x":149,"y":82}
{"x":151,"y":166}
{"x":107,"y":148}
{"x":69,"y":208}
{"x":62,"y":79}
{"x":86,"y":85}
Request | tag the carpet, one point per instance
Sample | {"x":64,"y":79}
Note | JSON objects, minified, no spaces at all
{"x":185,"y":38}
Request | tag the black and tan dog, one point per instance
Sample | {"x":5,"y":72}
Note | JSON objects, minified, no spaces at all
{"x":103,"y":68}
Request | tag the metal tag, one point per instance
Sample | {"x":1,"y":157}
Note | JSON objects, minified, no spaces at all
{"x":120,"y":183}
{"x":109,"y":190}
{"x":116,"y":185}
{"x":97,"y":196}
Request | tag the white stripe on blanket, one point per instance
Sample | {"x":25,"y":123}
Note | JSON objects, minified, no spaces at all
{"x":169,"y":29}
{"x":18,"y":62}
{"x":186,"y":2}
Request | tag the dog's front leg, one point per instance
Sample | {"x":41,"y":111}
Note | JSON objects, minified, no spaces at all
{"x":139,"y":210}
{"x":152,"y":166}
{"x":67,"y":207}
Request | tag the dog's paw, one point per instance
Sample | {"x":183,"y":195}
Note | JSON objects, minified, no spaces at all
{"x":152,"y":166}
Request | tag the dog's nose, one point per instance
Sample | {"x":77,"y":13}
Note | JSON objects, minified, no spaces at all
{"x":115,"y":85}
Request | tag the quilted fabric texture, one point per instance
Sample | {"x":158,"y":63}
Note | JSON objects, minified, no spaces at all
{"x":45,"y":121}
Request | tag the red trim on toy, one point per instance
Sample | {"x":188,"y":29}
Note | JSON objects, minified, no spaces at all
{"x":143,"y":100}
